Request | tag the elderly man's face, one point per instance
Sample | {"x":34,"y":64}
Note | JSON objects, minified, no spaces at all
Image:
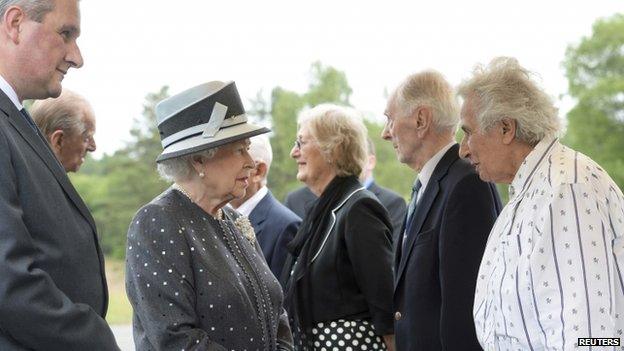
{"x":483,"y":149}
{"x":75,"y":146}
{"x":48,"y":49}
{"x":402,"y":131}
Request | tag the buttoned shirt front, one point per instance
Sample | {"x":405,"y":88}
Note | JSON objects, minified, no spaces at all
{"x":551,"y":271}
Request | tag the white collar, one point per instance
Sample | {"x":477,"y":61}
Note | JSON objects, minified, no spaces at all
{"x":427,"y":171}
{"x":246,"y":207}
{"x":8,"y":90}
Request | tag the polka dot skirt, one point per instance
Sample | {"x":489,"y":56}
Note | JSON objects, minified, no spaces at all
{"x":340,"y":335}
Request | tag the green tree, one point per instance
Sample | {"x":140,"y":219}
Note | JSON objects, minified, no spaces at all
{"x":595,"y":71}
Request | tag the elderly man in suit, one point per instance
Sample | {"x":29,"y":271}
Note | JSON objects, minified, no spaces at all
{"x":274,"y":224}
{"x":53,"y":293}
{"x":68,"y":124}
{"x":299,"y":199}
{"x":449,"y":218}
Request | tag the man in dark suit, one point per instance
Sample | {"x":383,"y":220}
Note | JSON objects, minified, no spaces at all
{"x":449,"y":218}
{"x":300,"y":199}
{"x":274,"y":224}
{"x":53,"y":293}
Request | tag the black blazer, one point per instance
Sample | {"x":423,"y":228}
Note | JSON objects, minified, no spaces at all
{"x":394,"y":204}
{"x":436,"y":270}
{"x":275,"y":226}
{"x":53,"y":293}
{"x":353,"y":269}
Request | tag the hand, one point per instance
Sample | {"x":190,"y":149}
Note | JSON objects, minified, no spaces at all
{"x":389,"y":340}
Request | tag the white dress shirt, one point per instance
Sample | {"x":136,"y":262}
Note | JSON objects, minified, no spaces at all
{"x":427,"y":171}
{"x":8,"y":90}
{"x":246,"y":207}
{"x":552,"y":268}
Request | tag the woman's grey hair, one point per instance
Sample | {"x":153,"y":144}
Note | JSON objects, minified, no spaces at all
{"x":181,"y":168}
{"x":35,"y":9}
{"x":429,"y":88}
{"x":341,"y":136}
{"x":63,"y":113}
{"x":504,"y":89}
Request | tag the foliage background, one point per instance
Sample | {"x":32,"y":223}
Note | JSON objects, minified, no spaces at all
{"x":116,"y":185}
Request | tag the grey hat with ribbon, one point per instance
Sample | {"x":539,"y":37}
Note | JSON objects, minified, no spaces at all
{"x":203,"y":117}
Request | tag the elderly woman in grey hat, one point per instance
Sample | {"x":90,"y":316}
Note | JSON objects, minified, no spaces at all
{"x":195,"y":275}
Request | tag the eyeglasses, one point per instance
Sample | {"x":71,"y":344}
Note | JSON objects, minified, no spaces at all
{"x":300,"y":143}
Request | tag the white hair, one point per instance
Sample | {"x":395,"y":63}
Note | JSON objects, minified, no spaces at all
{"x":429,"y":88}
{"x":261,"y":151}
{"x":504,"y":89}
{"x":181,"y":168}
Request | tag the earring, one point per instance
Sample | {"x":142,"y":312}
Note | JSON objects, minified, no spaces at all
{"x":201,"y":174}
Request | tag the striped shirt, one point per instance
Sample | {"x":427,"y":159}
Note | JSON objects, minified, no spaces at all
{"x":552,"y":268}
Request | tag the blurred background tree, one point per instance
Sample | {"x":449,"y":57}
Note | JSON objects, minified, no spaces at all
{"x":595,"y":71}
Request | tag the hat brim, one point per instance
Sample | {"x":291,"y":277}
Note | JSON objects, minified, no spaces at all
{"x":199,"y":143}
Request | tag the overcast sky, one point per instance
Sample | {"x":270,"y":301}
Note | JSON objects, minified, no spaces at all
{"x":134,"y":47}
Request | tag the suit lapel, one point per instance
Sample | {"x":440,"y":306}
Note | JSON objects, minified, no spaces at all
{"x":424,"y":206}
{"x":259,"y":214}
{"x":44,"y":152}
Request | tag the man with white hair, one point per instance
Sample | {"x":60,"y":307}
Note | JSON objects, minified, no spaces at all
{"x":448,"y":220}
{"x":274,"y":224}
{"x":551,"y":271}
{"x":68,"y":124}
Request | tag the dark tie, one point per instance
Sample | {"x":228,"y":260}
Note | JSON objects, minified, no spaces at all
{"x":411,"y":208}
{"x":29,"y":119}
{"x":414,"y":199}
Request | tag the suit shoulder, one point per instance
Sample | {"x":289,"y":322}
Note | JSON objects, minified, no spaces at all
{"x":284,"y":212}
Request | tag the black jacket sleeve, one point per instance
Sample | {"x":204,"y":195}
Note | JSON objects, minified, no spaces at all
{"x":368,"y":237}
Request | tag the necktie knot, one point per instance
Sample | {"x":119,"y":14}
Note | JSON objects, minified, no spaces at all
{"x":416,"y":188}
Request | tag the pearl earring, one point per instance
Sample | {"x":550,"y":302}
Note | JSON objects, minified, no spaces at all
{"x":201,"y":174}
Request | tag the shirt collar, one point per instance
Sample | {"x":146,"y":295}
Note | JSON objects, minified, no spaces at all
{"x":427,"y":171}
{"x":531,"y":162}
{"x":251,"y":203}
{"x":7,"y":89}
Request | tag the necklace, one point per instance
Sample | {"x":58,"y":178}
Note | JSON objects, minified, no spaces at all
{"x":180,"y":189}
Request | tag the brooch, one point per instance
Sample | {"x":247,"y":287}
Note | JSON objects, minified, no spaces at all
{"x":244,"y":226}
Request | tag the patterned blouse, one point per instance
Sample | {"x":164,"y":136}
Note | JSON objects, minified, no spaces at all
{"x":552,"y":268}
{"x":196,"y":283}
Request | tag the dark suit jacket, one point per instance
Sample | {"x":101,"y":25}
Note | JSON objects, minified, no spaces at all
{"x":53,"y":293}
{"x":299,"y":200}
{"x":395,"y":205}
{"x":275,"y":226}
{"x":436,"y":270}
{"x":352,"y":272}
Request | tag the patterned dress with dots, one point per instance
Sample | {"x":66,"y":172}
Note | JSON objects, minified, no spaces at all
{"x":196,"y":283}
